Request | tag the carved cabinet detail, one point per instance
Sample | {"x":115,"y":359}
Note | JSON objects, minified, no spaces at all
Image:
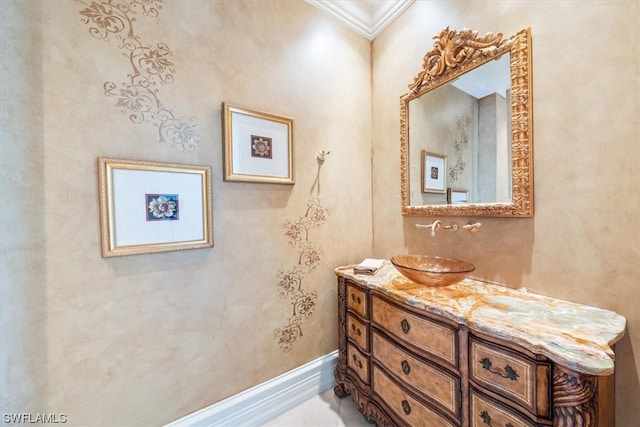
{"x":404,"y":365}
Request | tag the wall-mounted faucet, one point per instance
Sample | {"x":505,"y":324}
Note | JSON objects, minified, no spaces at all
{"x":435,"y":226}
{"x":452,"y":227}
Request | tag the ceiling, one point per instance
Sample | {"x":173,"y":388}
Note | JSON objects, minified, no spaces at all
{"x":492,"y":77}
{"x":367,"y":17}
{"x":370,"y":17}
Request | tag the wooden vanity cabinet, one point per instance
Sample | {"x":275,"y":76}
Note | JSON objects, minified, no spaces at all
{"x":406,"y":366}
{"x":417,"y":357}
{"x":507,"y":384}
{"x":355,"y":342}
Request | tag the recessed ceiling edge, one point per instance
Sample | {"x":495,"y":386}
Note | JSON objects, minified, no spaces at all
{"x":366,"y":18}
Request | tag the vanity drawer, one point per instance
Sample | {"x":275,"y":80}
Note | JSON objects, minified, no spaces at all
{"x":504,"y":372}
{"x":357,"y":332}
{"x":441,"y":387}
{"x":410,"y":410}
{"x":358,"y":362}
{"x":433,"y":337}
{"x":485,"y":412}
{"x":357,"y":301}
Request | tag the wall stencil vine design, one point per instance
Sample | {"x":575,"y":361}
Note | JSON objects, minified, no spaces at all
{"x":151,"y":66}
{"x":460,"y":147}
{"x":291,"y":281}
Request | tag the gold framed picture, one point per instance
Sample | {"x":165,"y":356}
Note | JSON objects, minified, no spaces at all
{"x":258,"y":147}
{"x":434,"y":170}
{"x":148,"y":207}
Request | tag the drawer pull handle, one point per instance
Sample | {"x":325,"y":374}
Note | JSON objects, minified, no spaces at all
{"x":487,"y":419}
{"x":355,"y":330}
{"x":405,"y":367}
{"x":405,"y":326}
{"x":509,"y":372}
{"x":405,"y":407}
{"x":357,"y":362}
{"x":356,"y":299}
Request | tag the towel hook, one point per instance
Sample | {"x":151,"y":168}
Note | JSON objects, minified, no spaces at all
{"x":322,"y":155}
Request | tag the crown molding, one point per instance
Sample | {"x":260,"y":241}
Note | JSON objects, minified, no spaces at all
{"x":368,"y":18}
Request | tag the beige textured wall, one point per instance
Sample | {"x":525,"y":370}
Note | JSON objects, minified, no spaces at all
{"x":144,"y":340}
{"x":23,"y":292}
{"x":582,"y":245}
{"x":147,"y":339}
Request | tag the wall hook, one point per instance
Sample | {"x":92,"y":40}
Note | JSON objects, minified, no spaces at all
{"x":321,"y":155}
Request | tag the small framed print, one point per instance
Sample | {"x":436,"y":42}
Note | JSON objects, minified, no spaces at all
{"x":457,"y":196}
{"x":258,"y":147}
{"x":148,"y":207}
{"x":434,"y":171}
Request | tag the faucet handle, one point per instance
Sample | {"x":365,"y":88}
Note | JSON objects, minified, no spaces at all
{"x":472,"y":227}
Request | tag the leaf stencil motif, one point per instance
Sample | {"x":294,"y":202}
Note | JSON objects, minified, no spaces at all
{"x":151,"y":66}
{"x":290,"y":283}
{"x":460,"y":147}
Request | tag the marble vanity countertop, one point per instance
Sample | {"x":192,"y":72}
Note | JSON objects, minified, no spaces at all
{"x":573,"y":335}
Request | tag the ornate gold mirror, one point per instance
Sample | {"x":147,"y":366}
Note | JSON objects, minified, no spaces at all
{"x":466,"y":128}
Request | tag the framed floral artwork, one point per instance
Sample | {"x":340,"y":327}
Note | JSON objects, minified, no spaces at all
{"x":258,"y":147}
{"x":148,"y":207}
{"x":433,"y":171}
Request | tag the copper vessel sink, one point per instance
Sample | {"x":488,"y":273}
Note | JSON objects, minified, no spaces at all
{"x":432,"y":270}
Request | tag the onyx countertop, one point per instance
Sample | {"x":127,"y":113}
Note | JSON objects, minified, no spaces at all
{"x":577,"y":336}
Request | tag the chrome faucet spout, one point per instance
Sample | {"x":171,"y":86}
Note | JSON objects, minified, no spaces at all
{"x":433,"y":226}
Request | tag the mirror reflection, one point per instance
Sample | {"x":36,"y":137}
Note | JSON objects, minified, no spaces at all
{"x":466,"y":128}
{"x":467,"y":124}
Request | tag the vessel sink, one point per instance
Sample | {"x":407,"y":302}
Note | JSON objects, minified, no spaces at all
{"x":432,"y":270}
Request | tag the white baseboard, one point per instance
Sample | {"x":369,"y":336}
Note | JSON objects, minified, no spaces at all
{"x":268,"y":400}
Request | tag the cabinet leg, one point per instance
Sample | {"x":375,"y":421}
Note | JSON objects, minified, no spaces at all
{"x":340,"y":391}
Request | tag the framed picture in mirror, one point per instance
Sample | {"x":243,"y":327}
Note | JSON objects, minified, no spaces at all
{"x":433,"y":171}
{"x":457,"y":196}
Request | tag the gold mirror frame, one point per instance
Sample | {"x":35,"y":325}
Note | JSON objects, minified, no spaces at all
{"x":455,"y":53}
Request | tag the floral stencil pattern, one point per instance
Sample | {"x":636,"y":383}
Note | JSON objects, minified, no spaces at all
{"x":151,"y":66}
{"x":461,"y":143}
{"x":291,"y":281}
